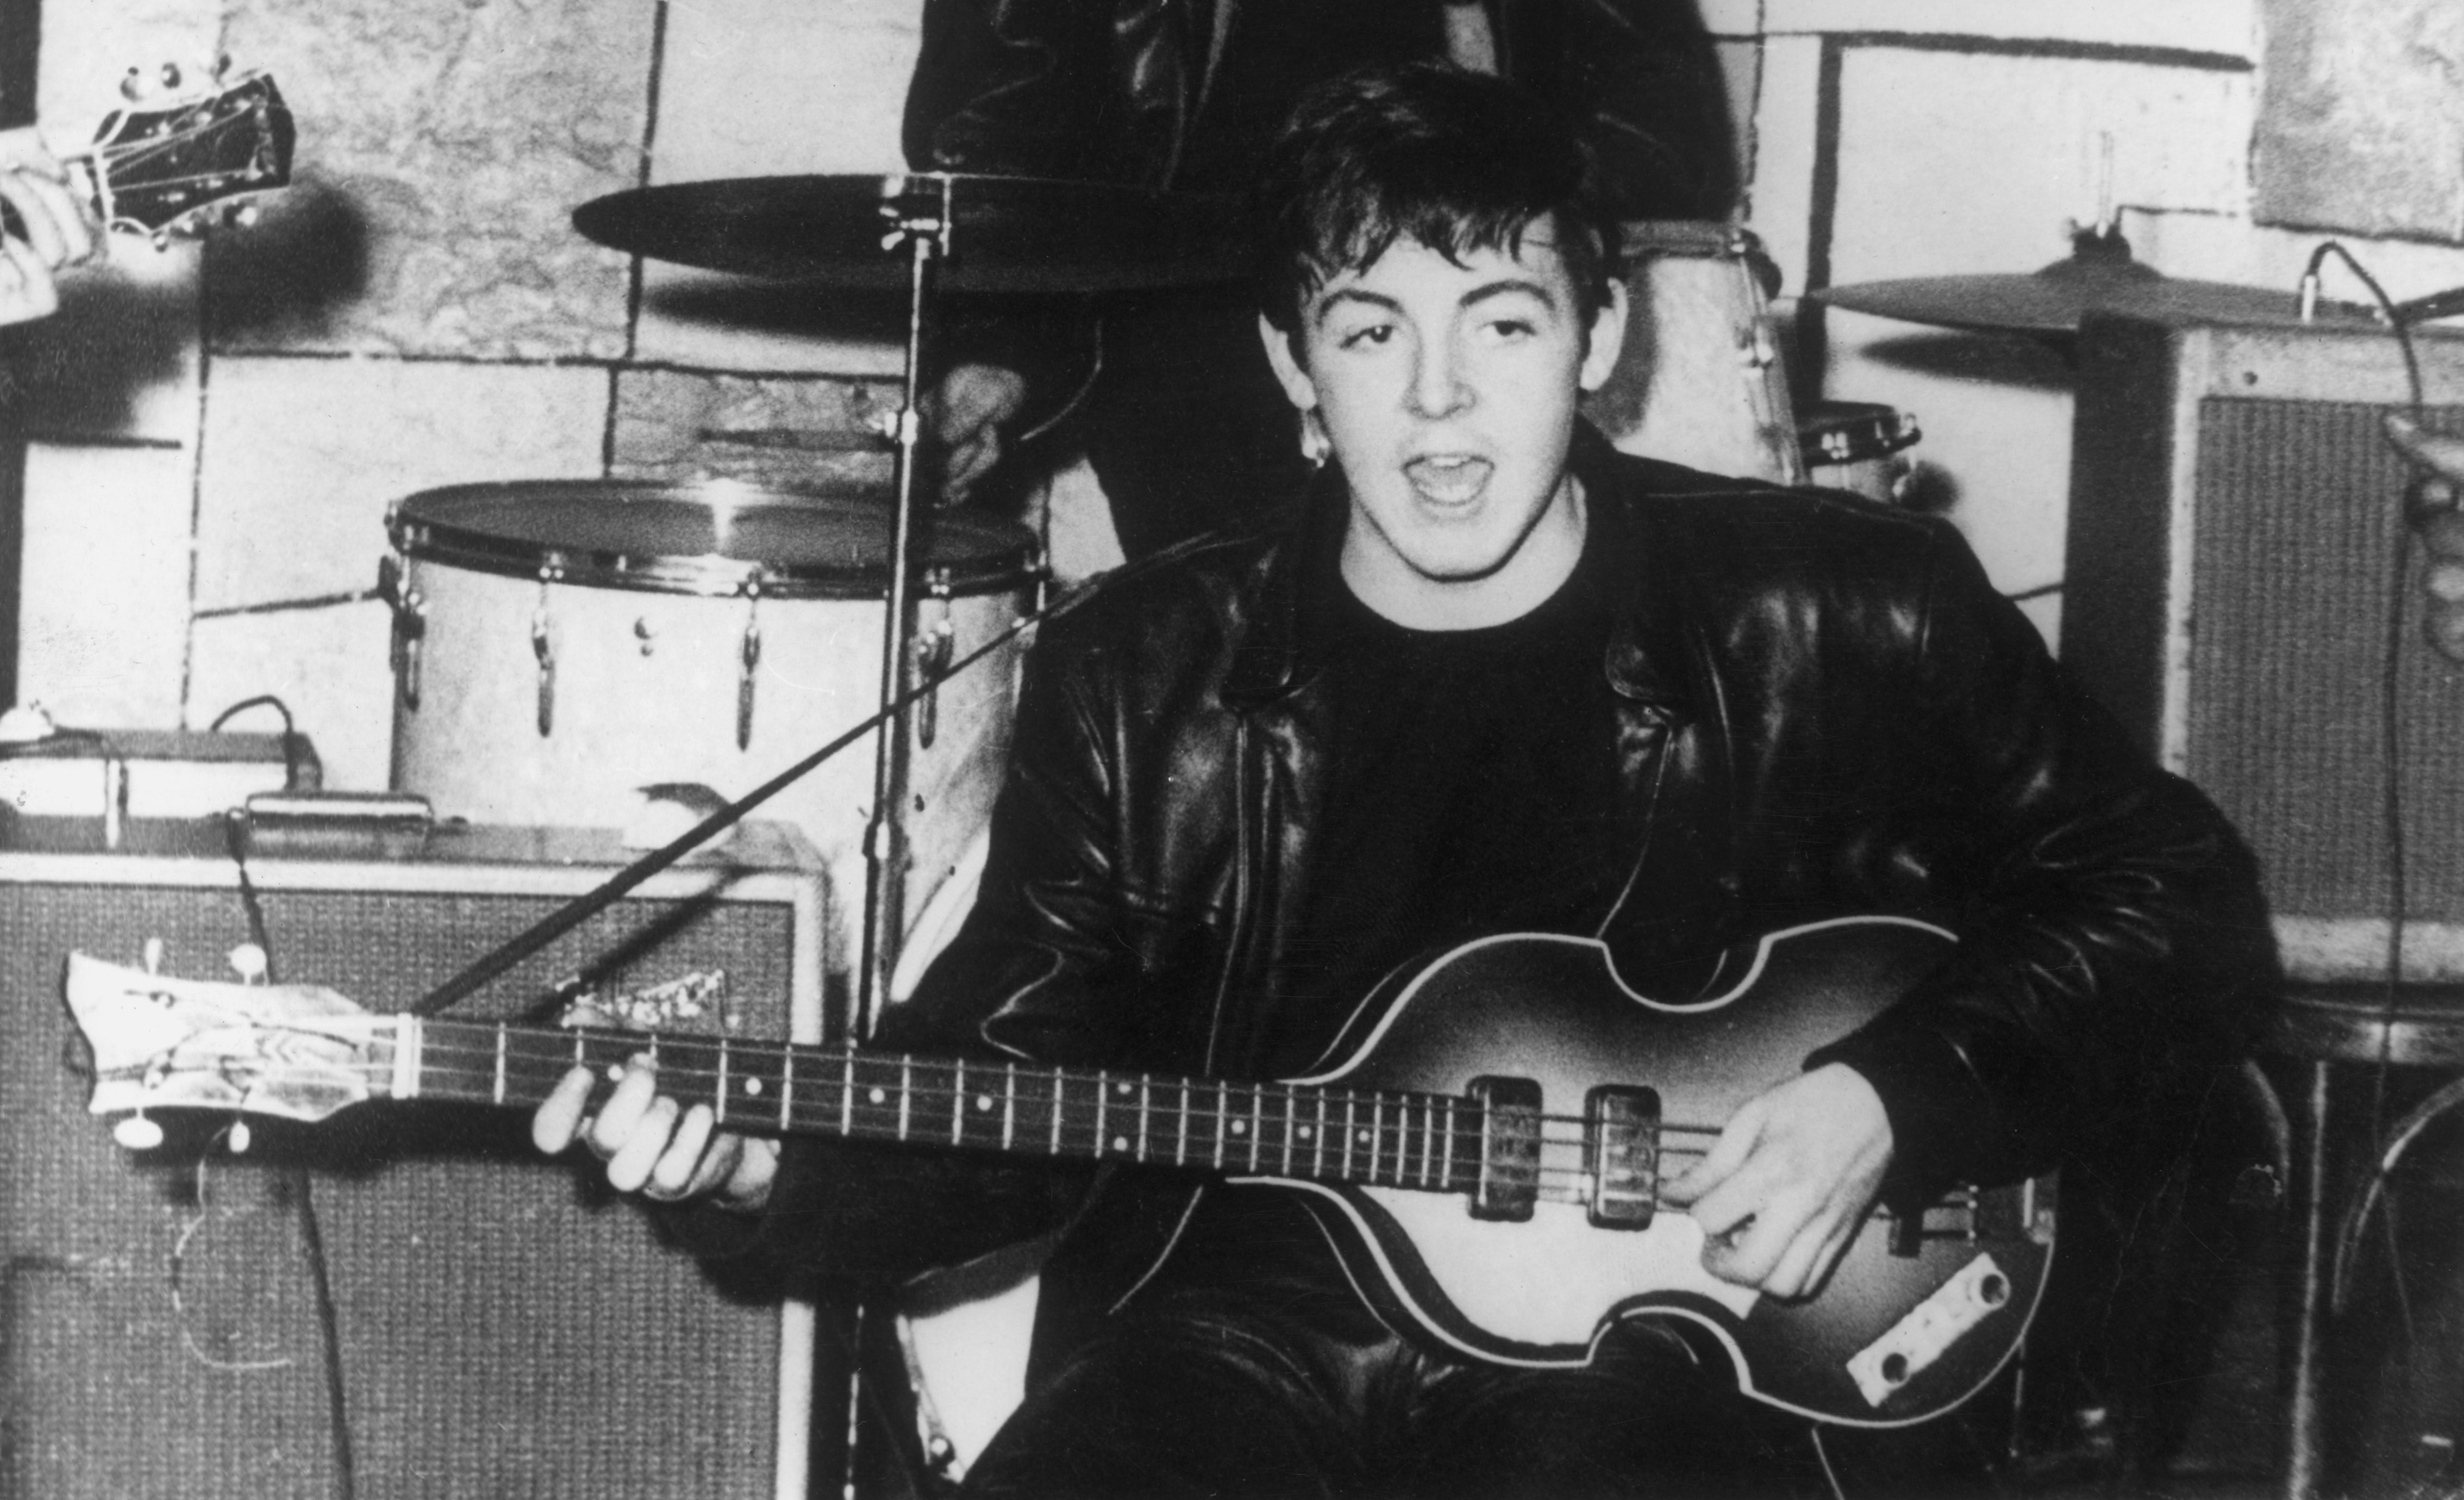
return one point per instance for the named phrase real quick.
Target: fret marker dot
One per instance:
(1362, 1137)
(877, 1097)
(983, 1104)
(1307, 1130)
(615, 1070)
(1240, 1127)
(1120, 1143)
(1121, 1088)
(753, 1086)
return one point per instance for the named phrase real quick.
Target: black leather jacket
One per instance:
(1823, 709)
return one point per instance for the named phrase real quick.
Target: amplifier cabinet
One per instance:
(2235, 525)
(504, 1324)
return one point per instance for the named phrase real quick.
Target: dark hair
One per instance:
(1456, 160)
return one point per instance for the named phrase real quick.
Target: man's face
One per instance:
(1450, 392)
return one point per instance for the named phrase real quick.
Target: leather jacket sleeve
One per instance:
(2114, 946)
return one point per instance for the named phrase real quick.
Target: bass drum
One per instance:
(1700, 381)
(559, 646)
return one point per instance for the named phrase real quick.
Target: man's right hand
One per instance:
(652, 1145)
(967, 413)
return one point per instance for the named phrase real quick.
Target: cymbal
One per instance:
(2100, 276)
(1007, 235)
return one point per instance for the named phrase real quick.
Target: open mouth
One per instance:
(1448, 478)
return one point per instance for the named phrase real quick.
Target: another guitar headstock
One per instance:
(164, 167)
(294, 1051)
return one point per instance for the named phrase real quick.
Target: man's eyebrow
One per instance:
(1508, 287)
(1352, 294)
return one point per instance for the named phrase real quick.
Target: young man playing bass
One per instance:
(1494, 676)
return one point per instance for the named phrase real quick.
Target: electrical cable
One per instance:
(301, 1182)
(2391, 806)
(290, 736)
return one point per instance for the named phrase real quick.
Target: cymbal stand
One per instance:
(920, 221)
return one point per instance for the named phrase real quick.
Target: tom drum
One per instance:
(1855, 445)
(1700, 381)
(560, 645)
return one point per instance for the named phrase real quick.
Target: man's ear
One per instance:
(1608, 339)
(1298, 389)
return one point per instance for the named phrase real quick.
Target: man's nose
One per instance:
(1438, 386)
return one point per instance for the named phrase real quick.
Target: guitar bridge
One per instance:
(1621, 1154)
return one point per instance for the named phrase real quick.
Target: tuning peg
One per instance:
(239, 1138)
(170, 75)
(222, 65)
(248, 960)
(136, 1133)
(246, 214)
(132, 85)
(153, 955)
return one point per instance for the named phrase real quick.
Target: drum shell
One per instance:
(1701, 381)
(646, 691)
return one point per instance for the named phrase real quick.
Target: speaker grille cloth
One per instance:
(505, 1328)
(2298, 527)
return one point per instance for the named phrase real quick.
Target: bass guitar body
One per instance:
(1916, 1316)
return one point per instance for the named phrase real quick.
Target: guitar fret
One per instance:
(1145, 1100)
(719, 1104)
(1223, 1114)
(1350, 1113)
(1317, 1164)
(499, 1092)
(1446, 1164)
(1056, 1111)
(1181, 1140)
(905, 1093)
(846, 1097)
(1376, 1131)
(1009, 1105)
(787, 1087)
(1257, 1121)
(1287, 1131)
(1102, 1087)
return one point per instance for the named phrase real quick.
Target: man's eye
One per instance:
(1372, 336)
(1510, 329)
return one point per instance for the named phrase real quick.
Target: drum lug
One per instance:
(751, 657)
(543, 646)
(936, 639)
(409, 624)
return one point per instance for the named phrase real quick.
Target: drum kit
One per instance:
(559, 646)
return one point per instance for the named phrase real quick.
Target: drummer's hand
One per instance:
(54, 228)
(651, 1145)
(2435, 515)
(967, 414)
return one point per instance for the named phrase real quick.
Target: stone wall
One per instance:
(220, 432)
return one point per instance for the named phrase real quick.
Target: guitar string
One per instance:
(940, 1096)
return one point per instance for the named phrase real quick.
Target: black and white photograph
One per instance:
(1354, 749)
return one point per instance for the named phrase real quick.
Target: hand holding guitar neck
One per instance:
(159, 167)
(47, 227)
(2431, 509)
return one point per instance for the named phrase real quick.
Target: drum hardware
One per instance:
(749, 656)
(1854, 446)
(933, 642)
(409, 622)
(543, 646)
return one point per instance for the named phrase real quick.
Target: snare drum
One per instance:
(1701, 381)
(560, 644)
(1854, 445)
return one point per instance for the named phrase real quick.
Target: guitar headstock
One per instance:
(294, 1052)
(163, 166)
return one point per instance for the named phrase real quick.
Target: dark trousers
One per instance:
(1257, 1395)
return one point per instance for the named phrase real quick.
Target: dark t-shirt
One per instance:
(1467, 771)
